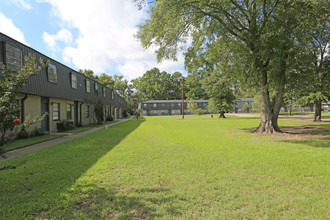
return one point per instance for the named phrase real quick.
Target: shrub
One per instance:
(109, 118)
(22, 134)
(36, 132)
(199, 111)
(98, 110)
(125, 114)
(65, 125)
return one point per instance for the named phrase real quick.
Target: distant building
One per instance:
(174, 107)
(243, 105)
(169, 107)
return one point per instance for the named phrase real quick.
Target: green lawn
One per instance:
(19, 143)
(168, 169)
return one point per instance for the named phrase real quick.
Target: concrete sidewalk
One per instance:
(34, 147)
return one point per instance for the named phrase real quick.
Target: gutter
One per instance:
(80, 118)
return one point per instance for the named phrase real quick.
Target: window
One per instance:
(145, 105)
(155, 112)
(112, 95)
(155, 105)
(56, 111)
(68, 112)
(13, 57)
(88, 86)
(96, 87)
(74, 80)
(173, 111)
(172, 104)
(204, 104)
(163, 104)
(87, 111)
(103, 91)
(179, 104)
(144, 113)
(52, 74)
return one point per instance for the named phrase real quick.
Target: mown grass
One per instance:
(19, 143)
(169, 169)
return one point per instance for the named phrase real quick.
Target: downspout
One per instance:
(22, 107)
(80, 113)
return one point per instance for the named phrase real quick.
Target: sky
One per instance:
(84, 34)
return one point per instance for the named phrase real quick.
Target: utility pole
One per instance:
(182, 100)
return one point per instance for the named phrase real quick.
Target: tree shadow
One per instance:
(97, 201)
(42, 176)
(321, 143)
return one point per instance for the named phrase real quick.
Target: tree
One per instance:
(158, 85)
(219, 105)
(193, 87)
(259, 35)
(107, 80)
(98, 112)
(10, 82)
(191, 106)
(89, 73)
(317, 61)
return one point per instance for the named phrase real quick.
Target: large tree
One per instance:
(260, 33)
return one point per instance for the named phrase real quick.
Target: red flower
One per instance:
(17, 121)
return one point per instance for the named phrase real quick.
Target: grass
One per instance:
(170, 169)
(85, 128)
(16, 144)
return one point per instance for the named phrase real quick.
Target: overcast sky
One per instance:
(83, 34)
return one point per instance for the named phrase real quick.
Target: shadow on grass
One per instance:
(322, 143)
(97, 201)
(38, 181)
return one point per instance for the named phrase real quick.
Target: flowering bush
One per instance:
(17, 121)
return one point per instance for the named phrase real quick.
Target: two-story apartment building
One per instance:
(174, 107)
(169, 107)
(58, 90)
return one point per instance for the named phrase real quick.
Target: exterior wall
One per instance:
(62, 113)
(32, 109)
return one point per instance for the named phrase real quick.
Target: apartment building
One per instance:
(58, 90)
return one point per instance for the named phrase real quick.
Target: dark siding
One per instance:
(39, 84)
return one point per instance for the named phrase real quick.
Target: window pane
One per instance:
(74, 80)
(13, 57)
(52, 75)
(88, 86)
(56, 111)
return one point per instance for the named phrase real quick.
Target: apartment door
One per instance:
(45, 109)
(170, 112)
(148, 113)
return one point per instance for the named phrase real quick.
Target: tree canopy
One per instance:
(259, 37)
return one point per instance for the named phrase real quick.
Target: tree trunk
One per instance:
(318, 109)
(268, 124)
(222, 114)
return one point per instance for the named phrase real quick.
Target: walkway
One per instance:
(35, 147)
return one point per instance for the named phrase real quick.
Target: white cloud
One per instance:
(62, 35)
(105, 36)
(22, 4)
(7, 27)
